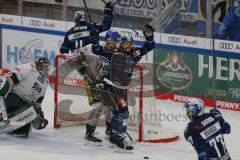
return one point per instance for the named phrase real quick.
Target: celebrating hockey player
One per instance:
(22, 90)
(79, 35)
(205, 131)
(230, 29)
(92, 80)
(76, 38)
(122, 62)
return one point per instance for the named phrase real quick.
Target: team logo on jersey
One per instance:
(173, 74)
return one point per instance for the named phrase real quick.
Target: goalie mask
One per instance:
(126, 43)
(80, 18)
(42, 66)
(111, 41)
(194, 108)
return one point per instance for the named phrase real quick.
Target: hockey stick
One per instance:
(86, 8)
(130, 26)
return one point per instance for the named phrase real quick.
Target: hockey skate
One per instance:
(91, 140)
(120, 144)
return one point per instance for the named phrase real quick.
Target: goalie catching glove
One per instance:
(148, 32)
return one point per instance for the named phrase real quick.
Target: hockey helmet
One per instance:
(42, 66)
(194, 108)
(80, 18)
(111, 40)
(126, 42)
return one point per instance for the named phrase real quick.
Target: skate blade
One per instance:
(120, 150)
(92, 144)
(107, 136)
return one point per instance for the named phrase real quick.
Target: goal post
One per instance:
(152, 132)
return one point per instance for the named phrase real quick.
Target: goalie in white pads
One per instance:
(22, 90)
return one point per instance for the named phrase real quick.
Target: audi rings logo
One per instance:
(174, 39)
(224, 45)
(35, 23)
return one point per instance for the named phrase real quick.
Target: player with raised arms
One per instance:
(121, 65)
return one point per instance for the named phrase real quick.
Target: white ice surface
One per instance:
(68, 143)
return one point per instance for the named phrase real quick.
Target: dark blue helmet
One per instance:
(114, 35)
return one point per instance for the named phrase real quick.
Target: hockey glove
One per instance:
(94, 37)
(108, 8)
(215, 111)
(100, 85)
(40, 122)
(82, 68)
(148, 32)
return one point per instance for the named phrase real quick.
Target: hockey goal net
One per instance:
(71, 104)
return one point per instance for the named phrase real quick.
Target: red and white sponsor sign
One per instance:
(229, 105)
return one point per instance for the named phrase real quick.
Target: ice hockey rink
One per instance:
(68, 143)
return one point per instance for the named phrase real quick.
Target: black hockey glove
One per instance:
(148, 32)
(94, 37)
(82, 68)
(108, 8)
(40, 122)
(215, 111)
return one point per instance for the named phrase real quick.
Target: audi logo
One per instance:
(174, 39)
(224, 45)
(35, 23)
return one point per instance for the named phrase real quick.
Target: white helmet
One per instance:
(79, 17)
(194, 107)
(126, 42)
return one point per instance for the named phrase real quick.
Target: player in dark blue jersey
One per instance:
(79, 35)
(230, 29)
(93, 87)
(205, 131)
(121, 65)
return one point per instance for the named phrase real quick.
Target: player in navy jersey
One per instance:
(79, 35)
(121, 65)
(205, 131)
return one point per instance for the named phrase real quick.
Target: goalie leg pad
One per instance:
(19, 120)
(23, 131)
